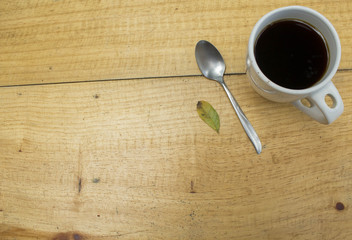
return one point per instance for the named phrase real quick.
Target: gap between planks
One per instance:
(140, 78)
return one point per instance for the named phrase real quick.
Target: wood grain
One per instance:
(53, 41)
(85, 154)
(132, 160)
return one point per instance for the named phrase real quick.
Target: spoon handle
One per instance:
(247, 126)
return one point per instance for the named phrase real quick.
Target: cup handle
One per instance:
(318, 109)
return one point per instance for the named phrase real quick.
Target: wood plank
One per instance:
(65, 41)
(132, 160)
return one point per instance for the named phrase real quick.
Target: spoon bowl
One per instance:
(210, 61)
(212, 66)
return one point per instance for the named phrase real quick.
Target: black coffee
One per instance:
(292, 54)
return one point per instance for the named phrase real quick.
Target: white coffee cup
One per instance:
(318, 109)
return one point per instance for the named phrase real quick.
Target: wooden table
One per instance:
(100, 138)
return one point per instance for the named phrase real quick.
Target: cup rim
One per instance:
(327, 77)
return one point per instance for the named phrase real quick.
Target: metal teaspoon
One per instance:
(212, 65)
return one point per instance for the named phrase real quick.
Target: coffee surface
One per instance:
(292, 54)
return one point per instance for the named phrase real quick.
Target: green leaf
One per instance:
(208, 114)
